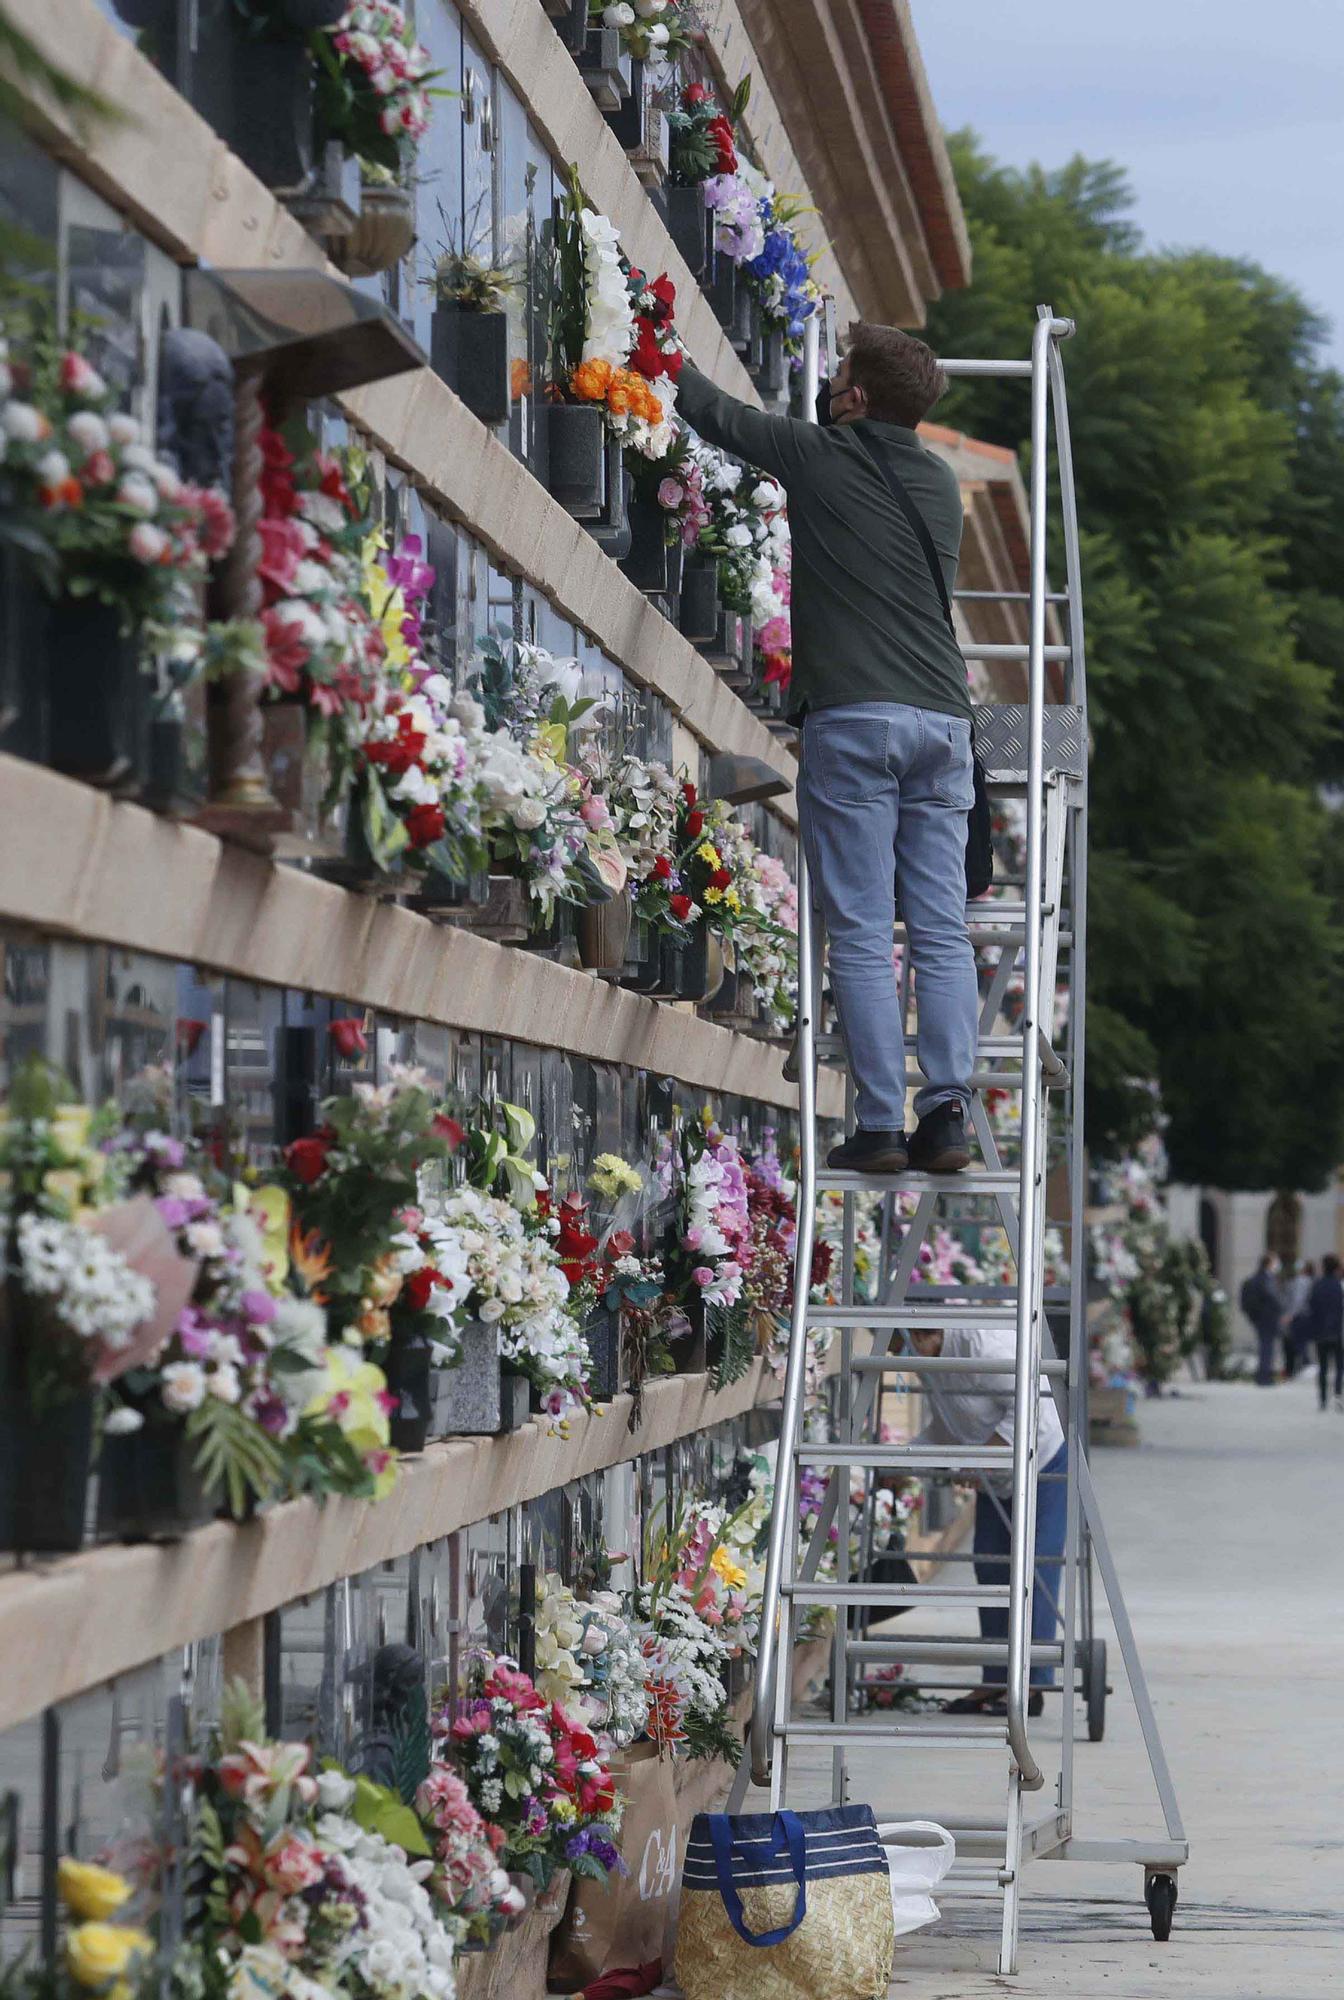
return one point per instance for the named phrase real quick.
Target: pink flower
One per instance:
(80, 378)
(702, 1276)
(282, 550)
(671, 495)
(593, 812)
(692, 1239)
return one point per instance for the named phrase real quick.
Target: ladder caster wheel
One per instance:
(1094, 1688)
(1159, 1892)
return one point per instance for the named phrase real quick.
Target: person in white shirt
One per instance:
(973, 1409)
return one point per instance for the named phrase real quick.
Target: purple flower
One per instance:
(259, 1308)
(195, 1332)
(413, 578)
(175, 1212)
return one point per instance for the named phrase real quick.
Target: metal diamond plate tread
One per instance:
(1001, 740)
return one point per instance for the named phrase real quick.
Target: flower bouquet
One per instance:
(650, 30)
(707, 1252)
(102, 1953)
(535, 1773)
(691, 1619)
(118, 544)
(374, 86)
(298, 1891)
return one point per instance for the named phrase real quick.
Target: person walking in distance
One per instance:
(1296, 1323)
(1262, 1303)
(879, 684)
(1326, 1312)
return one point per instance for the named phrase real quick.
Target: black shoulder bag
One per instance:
(979, 827)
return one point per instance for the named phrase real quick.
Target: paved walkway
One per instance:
(1228, 1530)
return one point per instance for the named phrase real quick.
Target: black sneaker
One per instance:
(939, 1144)
(871, 1153)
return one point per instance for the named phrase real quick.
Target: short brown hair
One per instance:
(900, 376)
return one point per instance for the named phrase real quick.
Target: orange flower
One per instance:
(520, 377)
(310, 1256)
(591, 380)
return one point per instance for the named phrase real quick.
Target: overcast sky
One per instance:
(1228, 115)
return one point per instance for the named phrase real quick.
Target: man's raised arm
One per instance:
(780, 446)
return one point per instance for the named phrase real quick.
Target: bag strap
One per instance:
(788, 1832)
(900, 493)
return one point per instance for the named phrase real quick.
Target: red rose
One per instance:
(688, 792)
(662, 869)
(680, 906)
(695, 824)
(307, 1158)
(722, 878)
(425, 824)
(721, 132)
(444, 1127)
(405, 749)
(695, 94)
(418, 1287)
(665, 292)
(349, 1037)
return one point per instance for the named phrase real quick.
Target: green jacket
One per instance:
(867, 621)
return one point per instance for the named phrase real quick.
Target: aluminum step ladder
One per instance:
(1036, 752)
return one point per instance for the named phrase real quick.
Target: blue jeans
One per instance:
(883, 795)
(992, 1539)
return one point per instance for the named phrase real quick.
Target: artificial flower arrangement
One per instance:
(651, 30)
(374, 87)
(612, 333)
(707, 1251)
(544, 818)
(308, 1883)
(780, 274)
(89, 502)
(102, 1952)
(702, 141)
(747, 532)
(615, 1697)
(324, 646)
(760, 906)
(674, 483)
(245, 1368)
(418, 760)
(692, 1618)
(600, 1256)
(534, 1772)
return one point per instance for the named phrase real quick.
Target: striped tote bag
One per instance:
(785, 1906)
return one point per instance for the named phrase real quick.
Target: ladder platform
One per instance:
(933, 1729)
(908, 1457)
(872, 1596)
(972, 1180)
(944, 1364)
(903, 1313)
(930, 1650)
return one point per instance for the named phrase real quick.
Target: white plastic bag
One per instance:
(915, 1871)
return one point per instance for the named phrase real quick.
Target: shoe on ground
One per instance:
(940, 1144)
(870, 1153)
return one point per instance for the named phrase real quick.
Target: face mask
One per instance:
(824, 400)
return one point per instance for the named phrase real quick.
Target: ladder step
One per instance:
(943, 1364)
(973, 650)
(922, 1729)
(875, 1595)
(903, 1313)
(915, 1457)
(973, 1180)
(931, 1651)
(990, 1045)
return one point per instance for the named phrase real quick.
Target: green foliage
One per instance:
(234, 1456)
(736, 1343)
(1209, 454)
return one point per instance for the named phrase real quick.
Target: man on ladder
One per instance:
(879, 684)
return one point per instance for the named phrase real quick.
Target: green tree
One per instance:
(1209, 454)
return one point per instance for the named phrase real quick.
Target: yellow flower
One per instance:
(734, 901)
(66, 1186)
(709, 854)
(99, 1953)
(268, 1208)
(732, 1573)
(712, 896)
(70, 1126)
(88, 1890)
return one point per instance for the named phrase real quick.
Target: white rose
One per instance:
(53, 467)
(24, 423)
(139, 494)
(123, 430)
(224, 1383)
(528, 814)
(122, 1422)
(334, 1791)
(89, 431)
(183, 1386)
(658, 36)
(594, 1640)
(620, 16)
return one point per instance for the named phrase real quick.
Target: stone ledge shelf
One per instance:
(79, 864)
(142, 1600)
